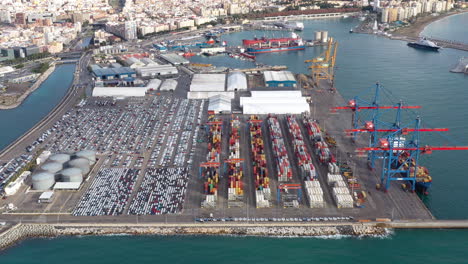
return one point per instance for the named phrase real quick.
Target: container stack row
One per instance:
(210, 171)
(260, 173)
(315, 134)
(314, 193)
(283, 165)
(308, 171)
(341, 192)
(234, 163)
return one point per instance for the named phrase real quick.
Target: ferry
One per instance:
(424, 44)
(266, 45)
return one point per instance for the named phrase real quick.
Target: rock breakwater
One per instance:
(23, 231)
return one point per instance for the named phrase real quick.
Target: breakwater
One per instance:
(20, 232)
(31, 89)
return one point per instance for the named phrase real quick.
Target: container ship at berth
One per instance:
(265, 45)
(423, 178)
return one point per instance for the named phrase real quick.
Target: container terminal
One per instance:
(184, 145)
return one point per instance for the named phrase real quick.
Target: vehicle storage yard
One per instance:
(165, 155)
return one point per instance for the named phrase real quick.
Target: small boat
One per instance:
(351, 31)
(424, 43)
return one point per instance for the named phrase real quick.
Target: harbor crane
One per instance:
(399, 146)
(323, 66)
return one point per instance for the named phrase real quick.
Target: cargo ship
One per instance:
(424, 44)
(423, 179)
(266, 45)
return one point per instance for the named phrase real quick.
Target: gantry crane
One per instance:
(323, 66)
(397, 145)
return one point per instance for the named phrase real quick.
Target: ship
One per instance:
(423, 178)
(291, 25)
(265, 45)
(424, 43)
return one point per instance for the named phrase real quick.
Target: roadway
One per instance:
(80, 81)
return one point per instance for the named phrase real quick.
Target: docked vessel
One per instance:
(292, 25)
(265, 45)
(424, 44)
(423, 178)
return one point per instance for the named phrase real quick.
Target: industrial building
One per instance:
(236, 81)
(112, 73)
(175, 59)
(153, 84)
(204, 86)
(157, 70)
(219, 104)
(279, 79)
(168, 85)
(208, 82)
(119, 91)
(148, 62)
(274, 102)
(134, 63)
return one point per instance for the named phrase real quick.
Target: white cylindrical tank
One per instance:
(43, 181)
(60, 158)
(87, 154)
(52, 167)
(318, 35)
(324, 36)
(71, 175)
(80, 163)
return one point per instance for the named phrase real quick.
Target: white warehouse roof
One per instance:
(237, 80)
(219, 103)
(153, 84)
(279, 76)
(169, 84)
(206, 95)
(274, 102)
(67, 185)
(208, 82)
(175, 59)
(119, 91)
(153, 70)
(282, 94)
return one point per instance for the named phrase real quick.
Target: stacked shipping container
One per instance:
(341, 192)
(315, 134)
(234, 163)
(283, 165)
(300, 149)
(260, 173)
(210, 170)
(313, 189)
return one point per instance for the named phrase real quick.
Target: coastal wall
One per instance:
(31, 89)
(23, 231)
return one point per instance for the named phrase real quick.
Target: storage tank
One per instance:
(80, 163)
(71, 175)
(52, 167)
(42, 181)
(318, 35)
(60, 158)
(87, 154)
(324, 36)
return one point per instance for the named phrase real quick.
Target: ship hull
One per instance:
(423, 187)
(419, 46)
(268, 50)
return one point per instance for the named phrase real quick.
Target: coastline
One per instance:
(414, 29)
(20, 232)
(33, 87)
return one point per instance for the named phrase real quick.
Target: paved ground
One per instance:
(396, 204)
